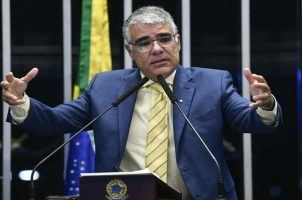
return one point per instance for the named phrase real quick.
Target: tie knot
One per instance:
(156, 87)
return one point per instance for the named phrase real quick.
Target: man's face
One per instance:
(159, 59)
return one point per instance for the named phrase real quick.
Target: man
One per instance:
(125, 138)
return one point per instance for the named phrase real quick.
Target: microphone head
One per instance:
(165, 86)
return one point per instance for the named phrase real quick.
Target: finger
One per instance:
(10, 77)
(20, 101)
(30, 75)
(262, 86)
(4, 84)
(14, 103)
(256, 104)
(262, 97)
(9, 96)
(259, 78)
(248, 75)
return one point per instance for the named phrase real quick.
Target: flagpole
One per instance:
(67, 64)
(6, 129)
(186, 32)
(127, 12)
(247, 138)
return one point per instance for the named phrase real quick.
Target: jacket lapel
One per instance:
(184, 91)
(125, 109)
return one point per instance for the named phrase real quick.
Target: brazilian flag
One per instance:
(95, 57)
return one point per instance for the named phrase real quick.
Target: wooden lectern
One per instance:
(140, 185)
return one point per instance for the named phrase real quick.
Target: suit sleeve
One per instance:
(67, 117)
(237, 113)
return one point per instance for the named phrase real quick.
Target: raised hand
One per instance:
(13, 88)
(260, 91)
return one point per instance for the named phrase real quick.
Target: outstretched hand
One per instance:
(13, 88)
(260, 91)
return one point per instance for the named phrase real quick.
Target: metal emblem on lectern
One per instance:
(116, 190)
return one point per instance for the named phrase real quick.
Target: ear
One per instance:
(177, 39)
(127, 47)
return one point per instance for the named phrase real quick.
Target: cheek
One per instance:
(174, 51)
(140, 59)
(175, 55)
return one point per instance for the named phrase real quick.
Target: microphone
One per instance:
(115, 103)
(129, 92)
(220, 189)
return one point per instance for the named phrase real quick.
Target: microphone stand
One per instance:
(32, 194)
(220, 188)
(115, 103)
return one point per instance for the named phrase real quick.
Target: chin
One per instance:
(166, 72)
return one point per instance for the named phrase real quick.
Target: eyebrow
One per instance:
(164, 34)
(148, 37)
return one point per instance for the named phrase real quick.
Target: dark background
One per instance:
(36, 28)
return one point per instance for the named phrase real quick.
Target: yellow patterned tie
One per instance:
(157, 136)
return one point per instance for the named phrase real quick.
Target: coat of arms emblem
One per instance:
(116, 190)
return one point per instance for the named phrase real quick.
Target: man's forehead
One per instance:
(150, 24)
(149, 30)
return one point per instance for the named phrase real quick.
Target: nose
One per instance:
(156, 48)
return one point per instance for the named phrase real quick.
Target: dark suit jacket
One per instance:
(208, 98)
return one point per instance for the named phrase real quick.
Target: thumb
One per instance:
(248, 75)
(30, 75)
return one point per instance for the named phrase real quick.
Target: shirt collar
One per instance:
(169, 79)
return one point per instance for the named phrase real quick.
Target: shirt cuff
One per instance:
(269, 118)
(20, 112)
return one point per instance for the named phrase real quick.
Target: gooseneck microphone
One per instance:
(163, 83)
(115, 103)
